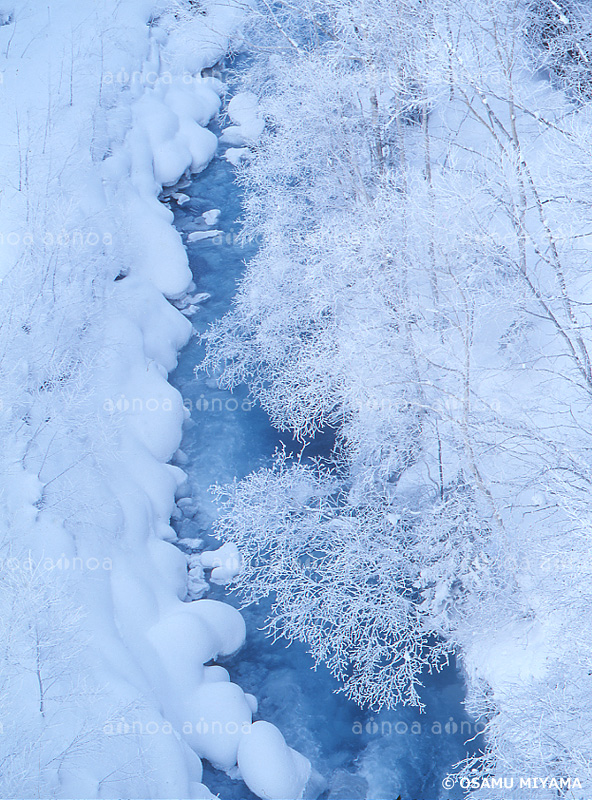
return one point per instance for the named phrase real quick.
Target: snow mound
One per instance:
(271, 769)
(225, 563)
(129, 643)
(234, 155)
(222, 718)
(248, 126)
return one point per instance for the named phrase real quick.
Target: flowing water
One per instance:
(360, 754)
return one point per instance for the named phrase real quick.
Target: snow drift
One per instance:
(104, 687)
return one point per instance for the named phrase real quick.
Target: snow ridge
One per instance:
(103, 682)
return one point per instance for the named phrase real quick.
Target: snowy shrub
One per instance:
(562, 31)
(428, 299)
(339, 577)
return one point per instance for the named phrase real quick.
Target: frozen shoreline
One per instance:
(120, 707)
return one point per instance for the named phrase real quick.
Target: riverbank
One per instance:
(103, 674)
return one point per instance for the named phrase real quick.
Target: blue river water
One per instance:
(360, 754)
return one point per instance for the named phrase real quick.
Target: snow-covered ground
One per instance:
(110, 677)
(105, 679)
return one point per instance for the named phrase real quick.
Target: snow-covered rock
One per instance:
(198, 236)
(211, 217)
(270, 768)
(234, 155)
(248, 125)
(225, 563)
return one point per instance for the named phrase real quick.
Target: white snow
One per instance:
(264, 747)
(234, 155)
(211, 217)
(225, 563)
(180, 198)
(99, 115)
(222, 718)
(248, 125)
(198, 236)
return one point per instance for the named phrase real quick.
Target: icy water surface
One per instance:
(360, 754)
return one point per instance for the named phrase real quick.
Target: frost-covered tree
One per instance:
(561, 32)
(428, 299)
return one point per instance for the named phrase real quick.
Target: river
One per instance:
(360, 754)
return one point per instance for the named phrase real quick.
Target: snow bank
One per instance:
(104, 104)
(264, 747)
